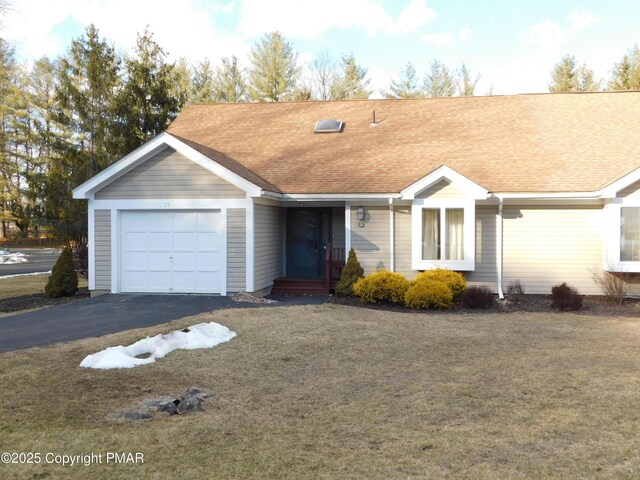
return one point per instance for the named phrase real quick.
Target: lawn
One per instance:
(339, 392)
(27, 285)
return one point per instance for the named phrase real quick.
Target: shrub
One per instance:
(428, 294)
(566, 297)
(382, 286)
(63, 281)
(351, 273)
(478, 297)
(515, 290)
(454, 280)
(613, 286)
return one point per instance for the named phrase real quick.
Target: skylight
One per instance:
(328, 126)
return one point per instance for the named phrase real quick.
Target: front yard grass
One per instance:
(339, 392)
(28, 285)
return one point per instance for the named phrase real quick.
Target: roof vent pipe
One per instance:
(374, 123)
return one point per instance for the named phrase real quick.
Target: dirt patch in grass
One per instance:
(336, 392)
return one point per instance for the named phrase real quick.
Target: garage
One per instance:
(172, 251)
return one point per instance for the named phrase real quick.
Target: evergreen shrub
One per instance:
(454, 280)
(478, 297)
(63, 281)
(382, 286)
(565, 297)
(428, 293)
(351, 273)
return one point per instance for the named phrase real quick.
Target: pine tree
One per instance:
(467, 84)
(351, 84)
(626, 73)
(88, 79)
(146, 104)
(229, 85)
(351, 272)
(568, 76)
(63, 281)
(181, 86)
(202, 84)
(440, 82)
(274, 69)
(407, 85)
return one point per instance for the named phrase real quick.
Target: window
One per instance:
(443, 235)
(453, 233)
(630, 234)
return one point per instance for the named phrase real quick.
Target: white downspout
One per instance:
(499, 246)
(392, 263)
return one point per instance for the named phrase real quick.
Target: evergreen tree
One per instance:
(626, 73)
(274, 68)
(229, 85)
(88, 79)
(407, 85)
(202, 83)
(63, 281)
(146, 104)
(440, 82)
(181, 86)
(568, 76)
(467, 83)
(351, 84)
(351, 273)
(8, 68)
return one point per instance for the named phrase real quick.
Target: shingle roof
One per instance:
(523, 143)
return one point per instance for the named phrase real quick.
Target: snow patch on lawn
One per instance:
(7, 258)
(202, 335)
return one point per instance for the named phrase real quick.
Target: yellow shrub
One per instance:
(454, 280)
(428, 294)
(382, 286)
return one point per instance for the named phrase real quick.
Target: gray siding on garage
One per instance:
(169, 174)
(268, 228)
(102, 249)
(236, 250)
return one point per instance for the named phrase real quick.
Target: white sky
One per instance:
(513, 45)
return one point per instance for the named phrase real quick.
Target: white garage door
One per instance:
(172, 251)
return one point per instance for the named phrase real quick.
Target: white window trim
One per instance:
(468, 205)
(611, 235)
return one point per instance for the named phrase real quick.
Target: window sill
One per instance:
(458, 266)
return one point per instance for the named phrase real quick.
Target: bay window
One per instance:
(629, 234)
(443, 235)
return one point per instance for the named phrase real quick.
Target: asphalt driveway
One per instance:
(93, 317)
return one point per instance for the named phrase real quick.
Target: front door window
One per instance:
(308, 232)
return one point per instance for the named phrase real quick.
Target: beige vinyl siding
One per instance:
(102, 249)
(402, 241)
(371, 242)
(268, 227)
(632, 191)
(547, 246)
(486, 265)
(236, 250)
(169, 174)
(338, 227)
(442, 190)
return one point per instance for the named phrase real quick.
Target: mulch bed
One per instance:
(38, 300)
(591, 305)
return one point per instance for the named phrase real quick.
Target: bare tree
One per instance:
(324, 74)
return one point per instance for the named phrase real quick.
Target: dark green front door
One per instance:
(308, 233)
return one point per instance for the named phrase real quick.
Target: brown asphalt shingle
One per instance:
(523, 143)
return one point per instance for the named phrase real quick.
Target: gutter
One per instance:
(499, 246)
